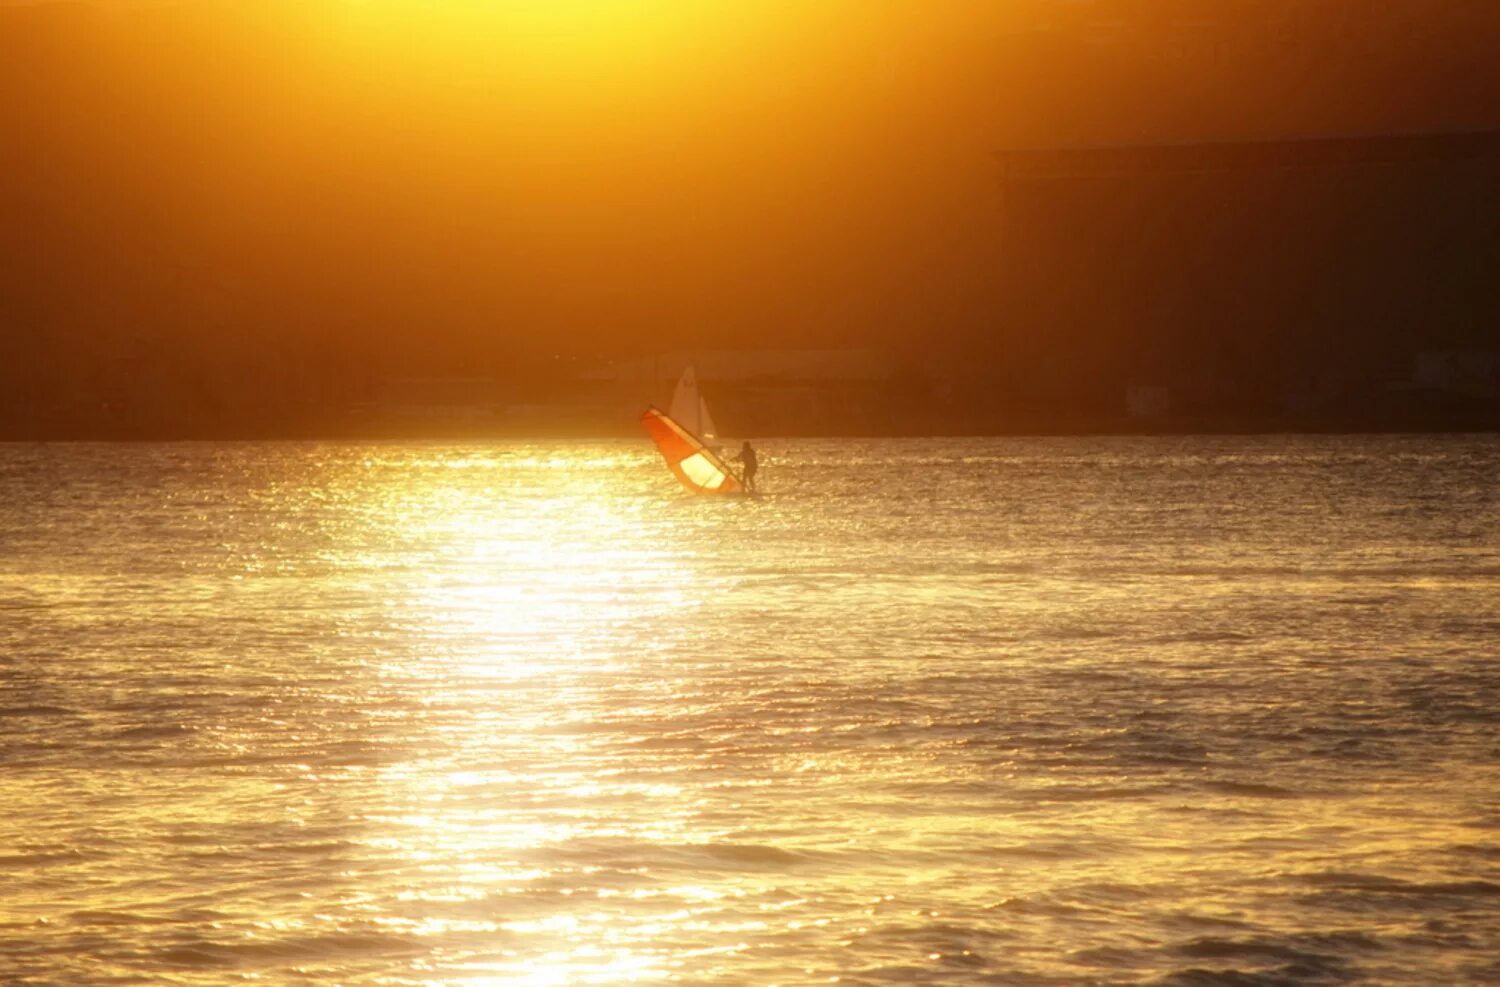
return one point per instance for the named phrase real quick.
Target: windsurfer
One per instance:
(748, 458)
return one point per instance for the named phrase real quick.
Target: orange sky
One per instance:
(464, 177)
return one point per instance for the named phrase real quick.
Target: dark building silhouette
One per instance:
(1262, 282)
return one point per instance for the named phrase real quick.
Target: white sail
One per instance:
(688, 408)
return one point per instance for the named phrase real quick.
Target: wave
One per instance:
(1318, 957)
(1035, 906)
(154, 731)
(748, 853)
(45, 857)
(1257, 949)
(1250, 789)
(627, 856)
(1292, 976)
(205, 953)
(1101, 793)
(37, 710)
(1201, 637)
(109, 917)
(1375, 884)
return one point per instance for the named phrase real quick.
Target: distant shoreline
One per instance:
(147, 438)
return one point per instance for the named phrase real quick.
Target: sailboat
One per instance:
(681, 438)
(689, 410)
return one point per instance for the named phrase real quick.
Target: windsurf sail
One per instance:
(689, 410)
(692, 462)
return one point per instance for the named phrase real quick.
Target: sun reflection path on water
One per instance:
(539, 624)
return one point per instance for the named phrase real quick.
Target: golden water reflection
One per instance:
(429, 715)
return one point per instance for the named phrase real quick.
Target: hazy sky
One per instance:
(462, 177)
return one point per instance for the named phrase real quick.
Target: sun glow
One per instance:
(556, 43)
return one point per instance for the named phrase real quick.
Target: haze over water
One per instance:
(1189, 711)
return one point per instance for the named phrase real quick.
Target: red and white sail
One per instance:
(692, 462)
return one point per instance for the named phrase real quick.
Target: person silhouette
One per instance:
(751, 462)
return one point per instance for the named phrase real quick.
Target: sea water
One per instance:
(1185, 711)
